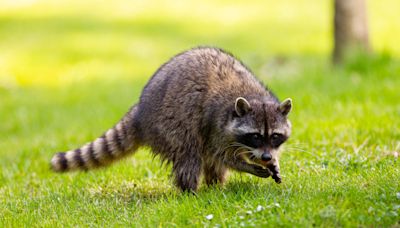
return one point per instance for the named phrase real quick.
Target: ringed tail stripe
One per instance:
(62, 161)
(86, 156)
(117, 139)
(113, 145)
(123, 129)
(92, 155)
(105, 148)
(110, 140)
(78, 158)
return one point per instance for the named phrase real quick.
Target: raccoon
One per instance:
(204, 112)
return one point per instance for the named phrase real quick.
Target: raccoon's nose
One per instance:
(266, 157)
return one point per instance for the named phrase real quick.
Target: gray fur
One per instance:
(192, 113)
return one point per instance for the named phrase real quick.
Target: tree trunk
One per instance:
(350, 26)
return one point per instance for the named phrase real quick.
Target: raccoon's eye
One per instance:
(256, 136)
(254, 140)
(277, 139)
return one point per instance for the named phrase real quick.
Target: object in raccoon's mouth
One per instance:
(267, 165)
(275, 173)
(272, 167)
(277, 178)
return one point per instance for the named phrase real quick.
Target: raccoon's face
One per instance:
(259, 127)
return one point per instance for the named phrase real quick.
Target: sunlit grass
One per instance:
(70, 69)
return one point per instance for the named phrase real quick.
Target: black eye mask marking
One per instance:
(253, 140)
(277, 139)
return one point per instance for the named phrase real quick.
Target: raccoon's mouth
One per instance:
(252, 159)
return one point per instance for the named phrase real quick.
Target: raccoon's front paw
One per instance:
(261, 172)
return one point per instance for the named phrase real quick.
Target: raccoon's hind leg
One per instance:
(187, 173)
(214, 174)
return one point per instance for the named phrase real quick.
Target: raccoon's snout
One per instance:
(266, 156)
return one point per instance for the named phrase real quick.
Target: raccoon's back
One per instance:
(192, 76)
(180, 91)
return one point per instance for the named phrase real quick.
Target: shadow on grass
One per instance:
(156, 191)
(132, 191)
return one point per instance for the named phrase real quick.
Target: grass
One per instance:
(68, 72)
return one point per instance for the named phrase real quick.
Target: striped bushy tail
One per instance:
(113, 145)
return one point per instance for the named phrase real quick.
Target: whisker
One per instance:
(297, 143)
(295, 149)
(294, 146)
(302, 151)
(229, 146)
(244, 152)
(236, 151)
(242, 145)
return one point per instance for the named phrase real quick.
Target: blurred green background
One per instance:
(70, 69)
(55, 43)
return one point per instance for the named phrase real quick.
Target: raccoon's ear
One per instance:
(285, 106)
(242, 106)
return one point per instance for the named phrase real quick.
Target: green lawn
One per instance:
(70, 71)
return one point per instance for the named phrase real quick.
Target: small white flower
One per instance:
(259, 208)
(210, 216)
(398, 195)
(249, 212)
(241, 217)
(277, 205)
